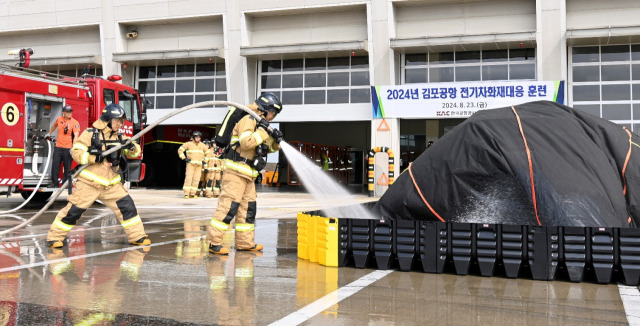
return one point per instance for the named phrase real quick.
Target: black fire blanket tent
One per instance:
(585, 171)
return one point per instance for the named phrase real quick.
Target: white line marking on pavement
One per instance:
(324, 303)
(630, 296)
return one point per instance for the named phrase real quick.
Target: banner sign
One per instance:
(460, 99)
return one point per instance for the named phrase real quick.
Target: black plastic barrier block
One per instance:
(345, 257)
(603, 253)
(511, 248)
(406, 243)
(434, 246)
(574, 251)
(629, 255)
(462, 246)
(383, 244)
(486, 248)
(361, 242)
(537, 252)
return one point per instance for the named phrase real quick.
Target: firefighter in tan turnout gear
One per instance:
(101, 179)
(214, 171)
(192, 152)
(250, 142)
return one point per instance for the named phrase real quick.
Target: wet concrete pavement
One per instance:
(98, 279)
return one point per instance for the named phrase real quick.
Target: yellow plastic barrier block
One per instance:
(327, 241)
(303, 235)
(312, 240)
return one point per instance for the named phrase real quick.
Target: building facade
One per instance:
(322, 56)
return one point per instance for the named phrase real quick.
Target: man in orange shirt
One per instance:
(68, 129)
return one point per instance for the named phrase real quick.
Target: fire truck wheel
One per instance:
(38, 197)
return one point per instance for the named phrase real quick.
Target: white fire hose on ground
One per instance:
(111, 150)
(44, 173)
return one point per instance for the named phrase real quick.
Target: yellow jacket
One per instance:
(99, 174)
(247, 139)
(214, 163)
(194, 151)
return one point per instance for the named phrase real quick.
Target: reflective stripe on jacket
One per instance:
(193, 151)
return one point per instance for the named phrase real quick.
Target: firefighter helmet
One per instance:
(67, 108)
(269, 102)
(196, 133)
(112, 111)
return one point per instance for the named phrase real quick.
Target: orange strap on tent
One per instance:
(526, 146)
(626, 161)
(421, 196)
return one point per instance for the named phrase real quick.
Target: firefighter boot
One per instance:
(218, 250)
(256, 247)
(55, 244)
(144, 241)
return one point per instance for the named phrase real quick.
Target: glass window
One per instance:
(586, 73)
(147, 86)
(441, 74)
(635, 90)
(205, 70)
(221, 97)
(292, 81)
(127, 104)
(443, 57)
(183, 100)
(635, 52)
(615, 53)
(616, 111)
(271, 66)
(615, 72)
(635, 71)
(184, 86)
(495, 56)
(415, 59)
(315, 80)
(166, 71)
(523, 71)
(185, 70)
(360, 62)
(495, 72)
(204, 98)
(314, 97)
(585, 54)
(293, 65)
(464, 73)
(528, 54)
(337, 96)
(292, 97)
(109, 96)
(339, 79)
(636, 113)
(147, 72)
(221, 85)
(204, 85)
(271, 81)
(586, 93)
(616, 92)
(316, 64)
(359, 78)
(220, 69)
(361, 95)
(339, 63)
(415, 76)
(164, 102)
(591, 109)
(165, 86)
(467, 57)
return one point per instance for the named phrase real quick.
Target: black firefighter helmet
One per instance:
(195, 134)
(113, 111)
(269, 102)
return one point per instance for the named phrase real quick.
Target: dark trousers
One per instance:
(61, 155)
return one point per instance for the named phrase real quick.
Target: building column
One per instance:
(380, 59)
(551, 40)
(109, 33)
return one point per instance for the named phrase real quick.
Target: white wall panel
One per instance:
(193, 35)
(346, 25)
(56, 44)
(584, 14)
(469, 18)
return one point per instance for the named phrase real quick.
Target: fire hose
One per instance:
(46, 167)
(128, 142)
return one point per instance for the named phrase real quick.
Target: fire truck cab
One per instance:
(30, 102)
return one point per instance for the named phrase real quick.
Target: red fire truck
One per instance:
(31, 100)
